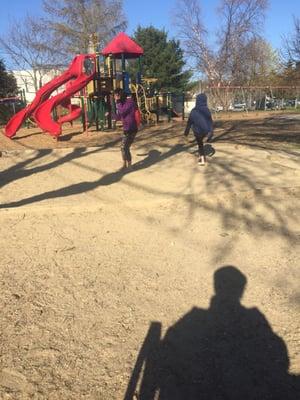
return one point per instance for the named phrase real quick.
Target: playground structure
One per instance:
(91, 79)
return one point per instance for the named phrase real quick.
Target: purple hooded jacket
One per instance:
(126, 113)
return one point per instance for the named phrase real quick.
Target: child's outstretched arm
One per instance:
(211, 126)
(211, 122)
(188, 126)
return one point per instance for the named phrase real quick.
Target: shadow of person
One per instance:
(228, 352)
(209, 150)
(155, 156)
(152, 157)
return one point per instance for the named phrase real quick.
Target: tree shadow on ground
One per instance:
(23, 170)
(68, 136)
(17, 138)
(227, 352)
(270, 134)
(245, 199)
(153, 157)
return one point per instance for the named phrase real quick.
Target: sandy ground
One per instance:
(107, 279)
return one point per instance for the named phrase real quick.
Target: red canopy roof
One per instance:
(122, 44)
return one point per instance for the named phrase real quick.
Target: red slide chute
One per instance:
(79, 73)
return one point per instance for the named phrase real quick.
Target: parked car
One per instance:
(237, 107)
(218, 108)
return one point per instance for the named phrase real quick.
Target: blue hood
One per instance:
(201, 101)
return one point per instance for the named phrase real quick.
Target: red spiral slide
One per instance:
(80, 72)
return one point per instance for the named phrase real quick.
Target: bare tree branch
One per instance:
(292, 43)
(240, 22)
(72, 22)
(193, 34)
(26, 45)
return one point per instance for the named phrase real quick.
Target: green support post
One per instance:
(90, 111)
(123, 69)
(83, 113)
(109, 109)
(54, 113)
(113, 111)
(96, 108)
(100, 114)
(105, 67)
(112, 67)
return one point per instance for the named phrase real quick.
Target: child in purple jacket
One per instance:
(126, 108)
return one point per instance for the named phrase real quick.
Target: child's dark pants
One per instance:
(199, 138)
(127, 140)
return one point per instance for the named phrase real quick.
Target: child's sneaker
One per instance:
(201, 161)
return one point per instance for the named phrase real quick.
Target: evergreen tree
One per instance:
(8, 88)
(8, 83)
(163, 59)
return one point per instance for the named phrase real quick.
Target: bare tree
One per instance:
(240, 23)
(26, 44)
(292, 43)
(260, 64)
(193, 34)
(73, 22)
(39, 45)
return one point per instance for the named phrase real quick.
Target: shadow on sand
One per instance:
(225, 352)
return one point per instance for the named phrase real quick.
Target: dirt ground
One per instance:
(112, 283)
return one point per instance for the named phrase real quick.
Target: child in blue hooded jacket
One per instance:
(200, 121)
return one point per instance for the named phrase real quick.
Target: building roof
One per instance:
(123, 44)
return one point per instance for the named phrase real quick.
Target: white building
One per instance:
(25, 81)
